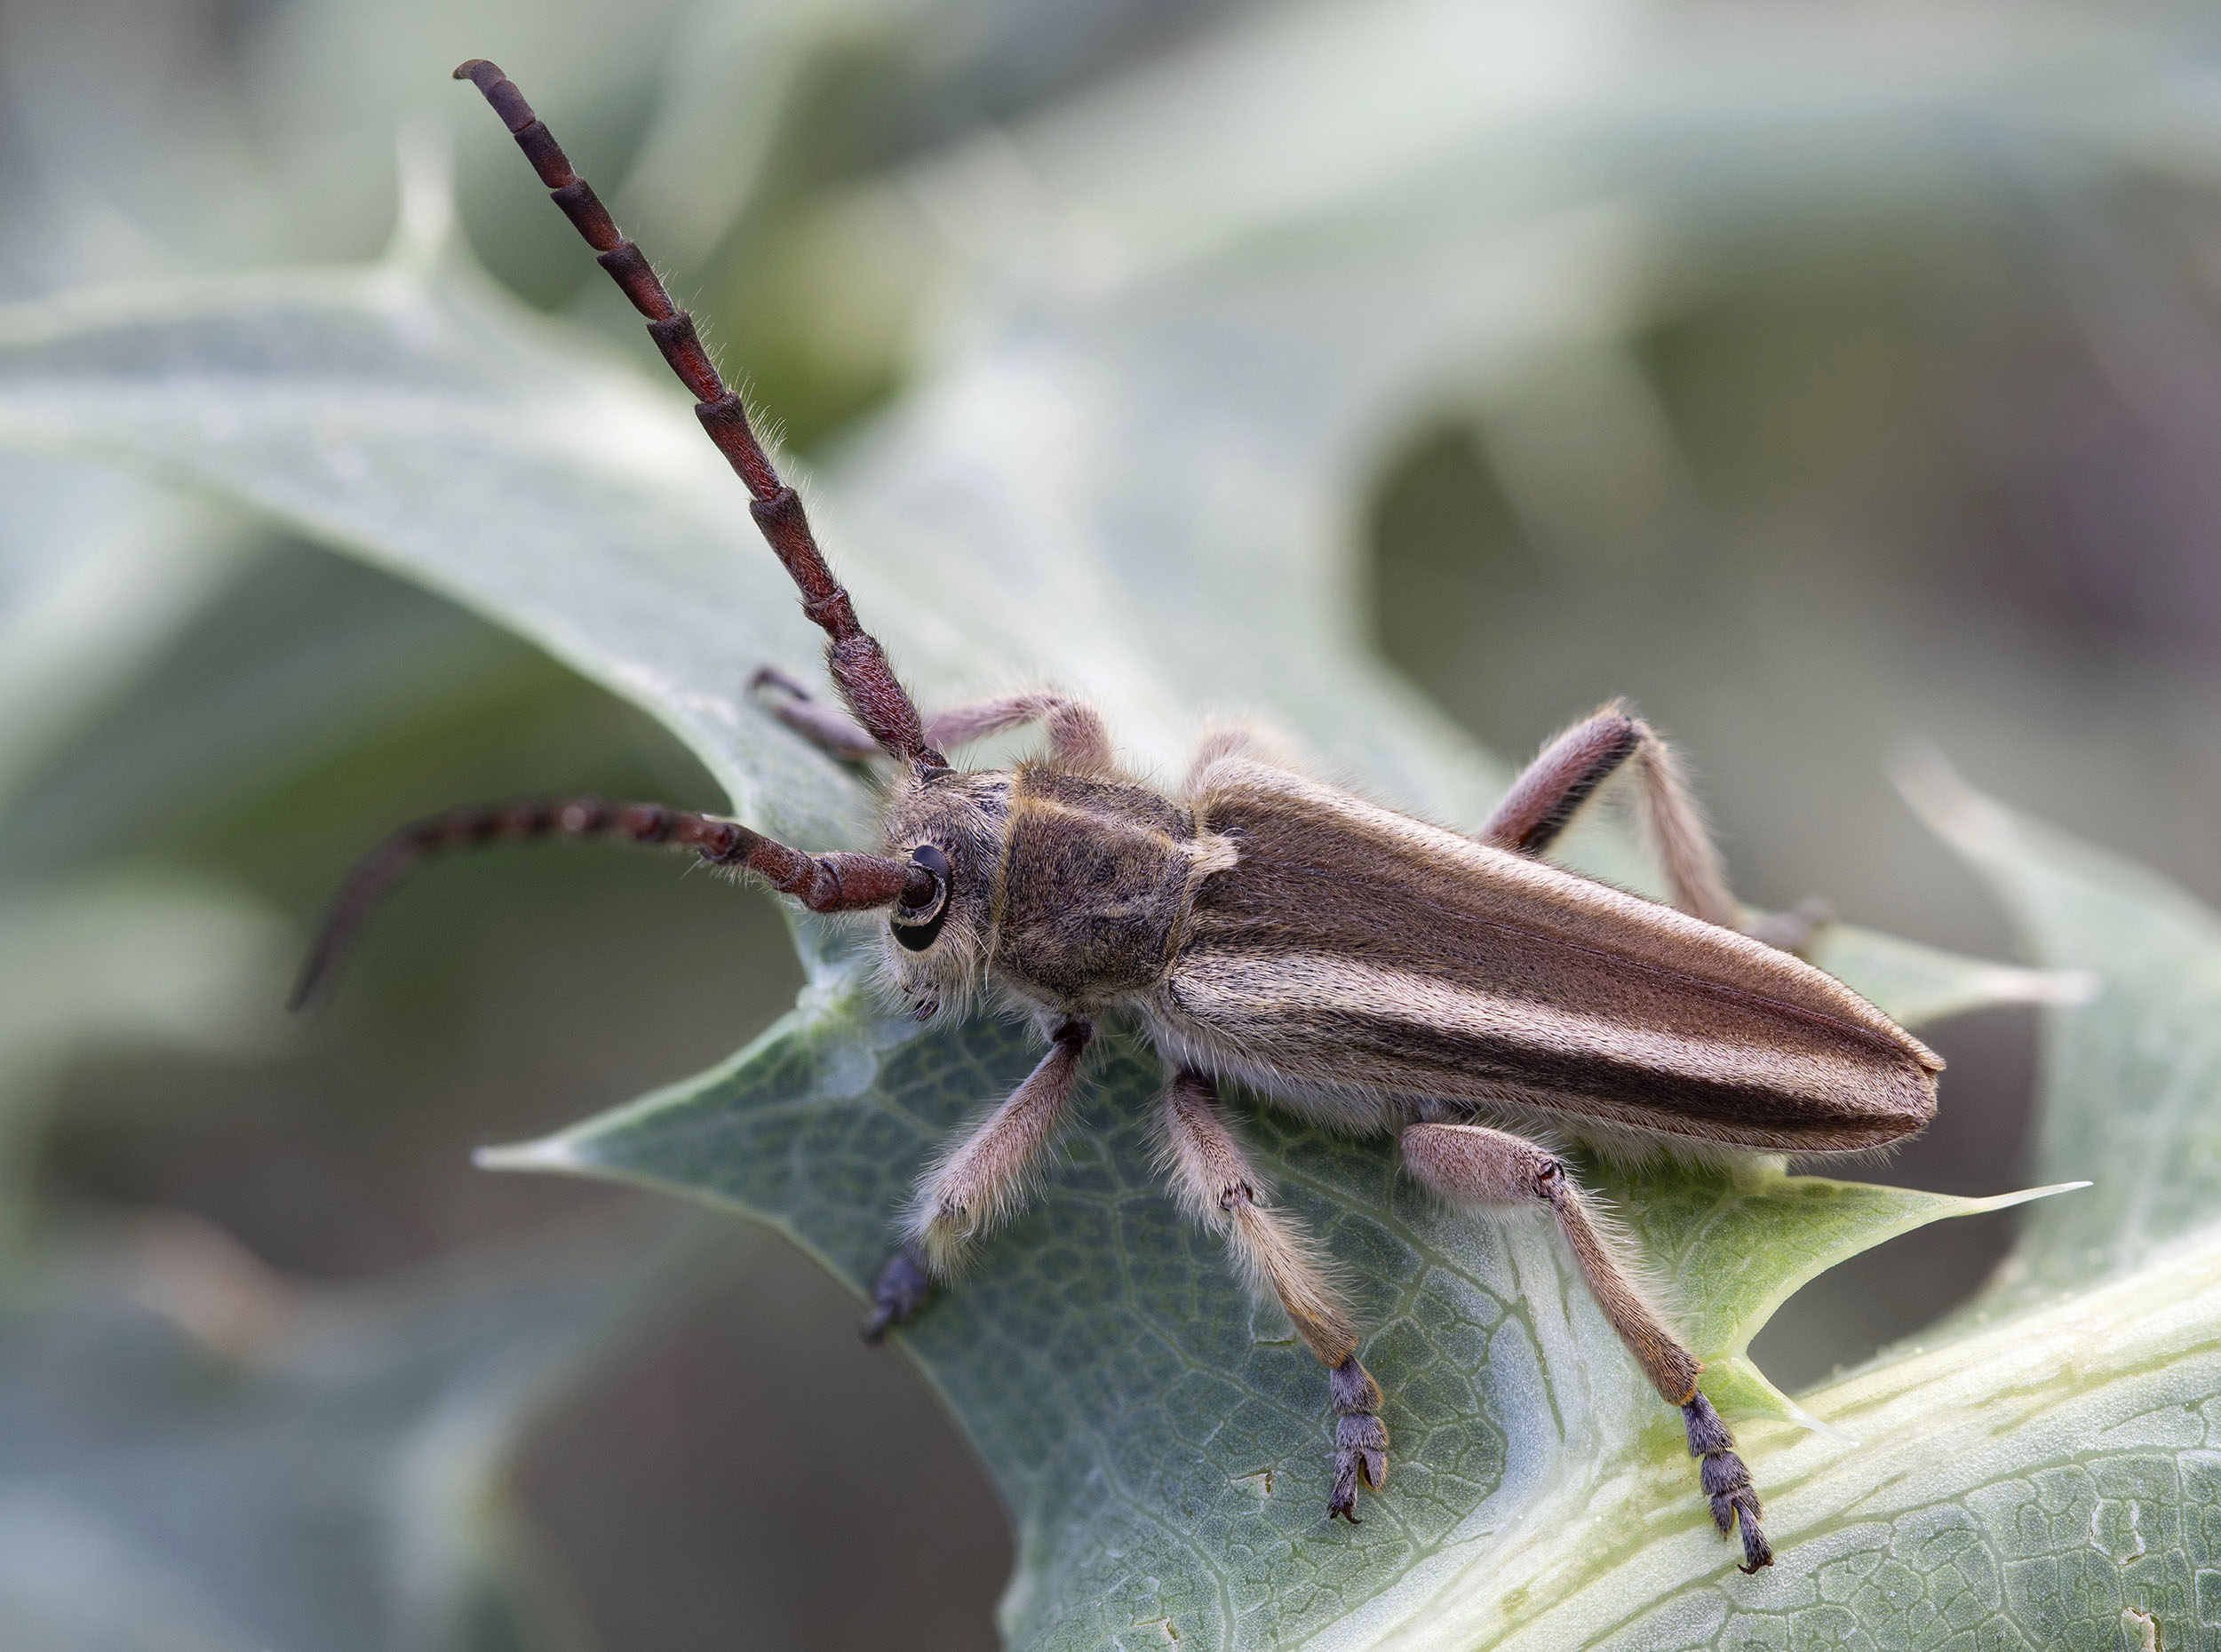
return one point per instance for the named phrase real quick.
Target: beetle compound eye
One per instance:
(917, 923)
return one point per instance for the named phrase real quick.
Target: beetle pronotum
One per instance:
(1375, 971)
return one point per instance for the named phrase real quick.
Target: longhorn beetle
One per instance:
(1369, 970)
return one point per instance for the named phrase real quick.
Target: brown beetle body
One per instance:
(1375, 969)
(1379, 974)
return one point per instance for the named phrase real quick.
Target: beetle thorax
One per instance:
(1068, 890)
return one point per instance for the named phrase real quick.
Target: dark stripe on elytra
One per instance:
(1416, 1058)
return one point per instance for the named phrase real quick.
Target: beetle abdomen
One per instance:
(1352, 949)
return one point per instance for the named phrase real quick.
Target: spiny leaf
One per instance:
(296, 395)
(2047, 1481)
(1151, 500)
(1159, 1435)
(1736, 1246)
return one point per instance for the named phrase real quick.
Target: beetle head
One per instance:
(952, 825)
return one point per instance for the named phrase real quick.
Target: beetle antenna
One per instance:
(858, 664)
(824, 883)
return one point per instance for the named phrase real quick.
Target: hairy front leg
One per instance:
(1215, 1181)
(1079, 737)
(1472, 1164)
(978, 1184)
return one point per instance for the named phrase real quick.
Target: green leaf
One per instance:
(2047, 1482)
(1153, 498)
(428, 424)
(96, 572)
(1159, 1435)
(1738, 1246)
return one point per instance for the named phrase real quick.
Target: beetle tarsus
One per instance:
(1726, 1482)
(905, 1286)
(1361, 1437)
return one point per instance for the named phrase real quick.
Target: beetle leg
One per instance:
(1472, 1164)
(983, 1179)
(977, 1184)
(1233, 739)
(1212, 1177)
(1079, 737)
(1550, 791)
(904, 1287)
(1795, 930)
(821, 723)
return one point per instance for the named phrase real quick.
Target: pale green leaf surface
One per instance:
(1203, 559)
(582, 508)
(332, 400)
(1155, 504)
(2051, 1480)
(1737, 1246)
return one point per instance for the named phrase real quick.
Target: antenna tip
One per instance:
(507, 101)
(306, 989)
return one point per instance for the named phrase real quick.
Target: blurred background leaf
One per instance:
(193, 1453)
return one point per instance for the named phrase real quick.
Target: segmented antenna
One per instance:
(858, 664)
(824, 883)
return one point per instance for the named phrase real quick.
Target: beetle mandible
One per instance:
(1374, 972)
